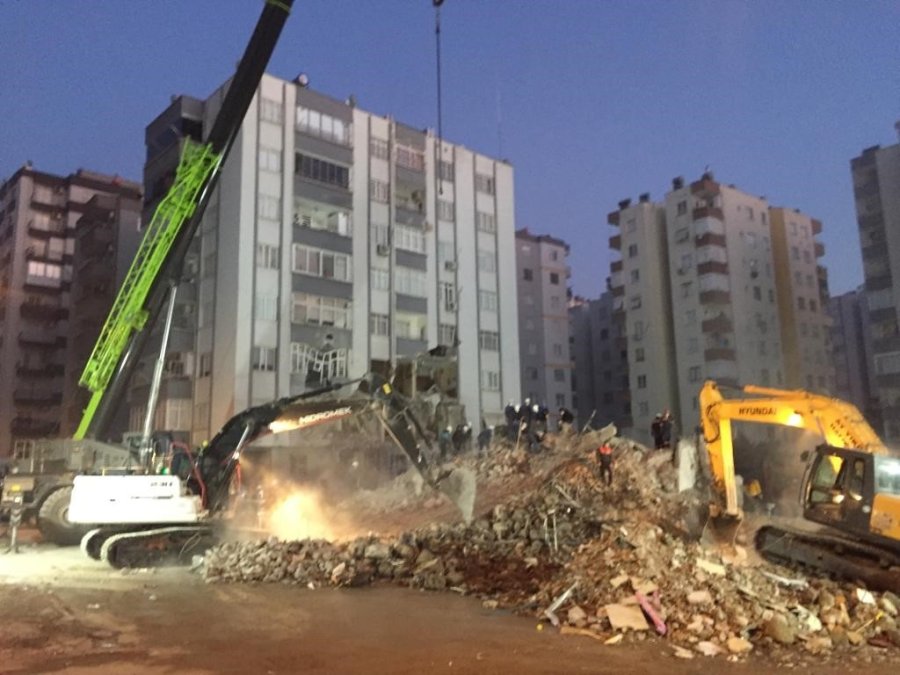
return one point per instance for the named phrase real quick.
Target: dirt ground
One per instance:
(63, 613)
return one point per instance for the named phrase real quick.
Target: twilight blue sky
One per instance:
(597, 101)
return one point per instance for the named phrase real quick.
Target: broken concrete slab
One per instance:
(626, 617)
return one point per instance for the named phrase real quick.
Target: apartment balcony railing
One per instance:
(717, 324)
(615, 242)
(29, 426)
(37, 397)
(719, 354)
(715, 297)
(710, 239)
(49, 370)
(708, 212)
(712, 267)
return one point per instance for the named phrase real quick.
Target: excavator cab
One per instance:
(855, 492)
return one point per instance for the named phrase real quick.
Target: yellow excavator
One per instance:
(851, 482)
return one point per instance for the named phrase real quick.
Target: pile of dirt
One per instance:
(612, 562)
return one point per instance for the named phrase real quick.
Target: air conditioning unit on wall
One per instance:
(383, 249)
(450, 265)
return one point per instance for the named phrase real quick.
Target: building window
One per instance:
(635, 302)
(269, 207)
(490, 380)
(486, 222)
(681, 209)
(486, 262)
(554, 302)
(266, 307)
(561, 400)
(757, 293)
(448, 296)
(527, 274)
(559, 375)
(632, 250)
(409, 239)
(446, 210)
(321, 171)
(682, 234)
(795, 253)
(557, 349)
(447, 334)
(487, 301)
(812, 305)
(410, 158)
(639, 354)
(801, 303)
(321, 311)
(321, 263)
(693, 345)
(264, 358)
(446, 170)
(205, 366)
(380, 324)
(271, 111)
(411, 282)
(378, 148)
(554, 278)
(269, 160)
(694, 374)
(379, 280)
(489, 340)
(554, 255)
(635, 276)
(267, 256)
(324, 126)
(641, 381)
(484, 183)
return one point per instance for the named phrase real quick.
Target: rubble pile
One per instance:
(612, 562)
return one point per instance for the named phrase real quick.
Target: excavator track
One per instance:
(877, 568)
(153, 547)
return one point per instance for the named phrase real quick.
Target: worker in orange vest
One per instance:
(605, 457)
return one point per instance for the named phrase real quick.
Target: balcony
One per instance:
(618, 291)
(882, 315)
(613, 218)
(406, 215)
(41, 337)
(42, 312)
(715, 297)
(705, 188)
(708, 212)
(40, 397)
(43, 254)
(709, 239)
(35, 428)
(719, 324)
(615, 242)
(886, 344)
(48, 370)
(816, 226)
(712, 267)
(47, 228)
(719, 354)
(615, 266)
(820, 249)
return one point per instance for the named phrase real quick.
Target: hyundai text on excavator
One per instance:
(851, 483)
(141, 520)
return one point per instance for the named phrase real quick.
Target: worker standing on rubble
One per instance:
(605, 458)
(656, 431)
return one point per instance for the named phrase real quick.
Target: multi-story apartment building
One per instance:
(339, 242)
(851, 353)
(41, 317)
(639, 282)
(723, 279)
(876, 188)
(599, 349)
(802, 288)
(543, 320)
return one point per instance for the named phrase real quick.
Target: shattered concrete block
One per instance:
(622, 617)
(710, 567)
(708, 648)
(779, 629)
(699, 598)
(738, 645)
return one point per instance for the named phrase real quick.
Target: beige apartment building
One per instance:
(709, 278)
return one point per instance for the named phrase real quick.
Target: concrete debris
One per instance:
(624, 617)
(608, 562)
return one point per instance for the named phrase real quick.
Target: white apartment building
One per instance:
(739, 296)
(339, 242)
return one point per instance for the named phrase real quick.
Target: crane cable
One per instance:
(437, 39)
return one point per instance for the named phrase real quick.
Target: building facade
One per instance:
(708, 279)
(876, 189)
(851, 352)
(340, 242)
(542, 274)
(45, 320)
(600, 384)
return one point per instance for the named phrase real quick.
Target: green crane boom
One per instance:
(128, 313)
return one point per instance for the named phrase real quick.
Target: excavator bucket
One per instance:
(459, 486)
